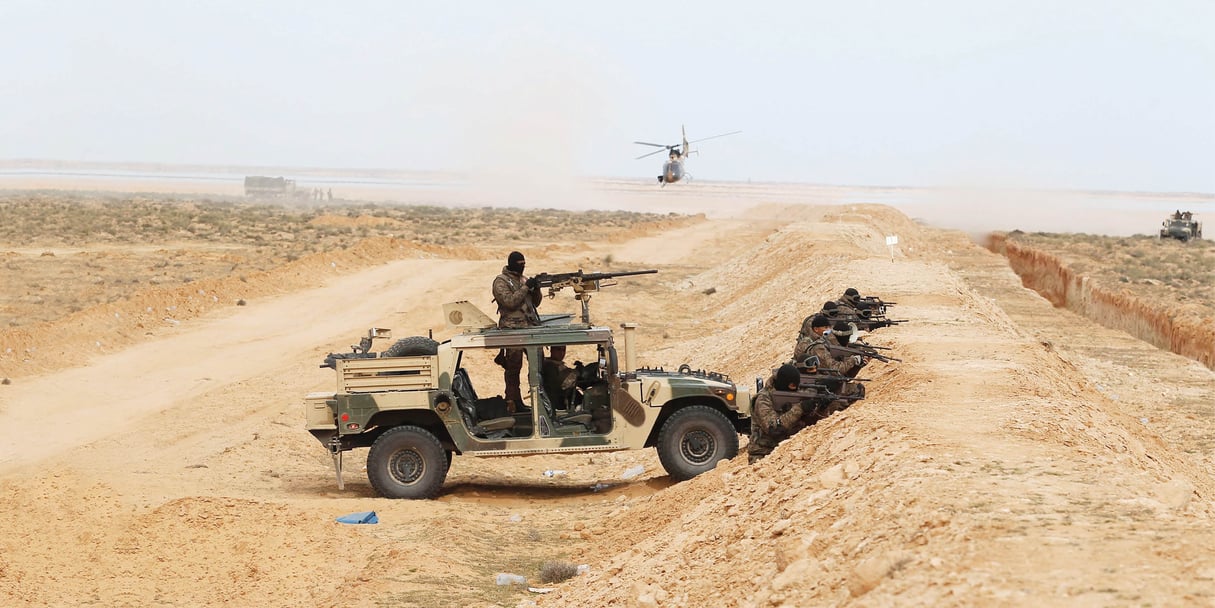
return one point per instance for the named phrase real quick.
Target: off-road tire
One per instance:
(407, 462)
(693, 439)
(412, 346)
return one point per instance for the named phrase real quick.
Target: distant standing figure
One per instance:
(517, 298)
(330, 194)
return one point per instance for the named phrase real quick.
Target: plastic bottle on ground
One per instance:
(504, 578)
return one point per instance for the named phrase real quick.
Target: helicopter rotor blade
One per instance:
(650, 154)
(646, 143)
(715, 136)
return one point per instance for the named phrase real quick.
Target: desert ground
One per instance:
(1019, 455)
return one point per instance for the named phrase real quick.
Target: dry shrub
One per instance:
(557, 571)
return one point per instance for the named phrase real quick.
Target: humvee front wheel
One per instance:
(407, 462)
(693, 439)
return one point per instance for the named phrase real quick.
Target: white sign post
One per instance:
(891, 241)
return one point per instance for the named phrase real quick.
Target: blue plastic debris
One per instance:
(364, 517)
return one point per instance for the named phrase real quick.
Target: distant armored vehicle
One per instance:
(1182, 226)
(257, 186)
(415, 404)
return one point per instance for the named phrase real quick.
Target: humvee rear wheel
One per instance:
(693, 439)
(407, 462)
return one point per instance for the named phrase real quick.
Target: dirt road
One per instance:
(1018, 456)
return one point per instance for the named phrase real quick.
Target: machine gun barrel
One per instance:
(561, 279)
(582, 283)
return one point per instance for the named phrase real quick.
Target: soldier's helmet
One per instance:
(842, 330)
(852, 292)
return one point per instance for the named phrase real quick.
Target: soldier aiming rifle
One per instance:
(874, 304)
(821, 391)
(862, 349)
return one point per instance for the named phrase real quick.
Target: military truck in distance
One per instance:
(258, 186)
(1182, 226)
(415, 404)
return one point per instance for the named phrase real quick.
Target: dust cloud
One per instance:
(521, 125)
(979, 211)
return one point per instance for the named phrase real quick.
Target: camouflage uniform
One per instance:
(852, 300)
(817, 346)
(769, 426)
(516, 302)
(834, 311)
(516, 308)
(559, 382)
(806, 330)
(845, 311)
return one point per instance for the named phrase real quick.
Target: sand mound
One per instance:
(156, 310)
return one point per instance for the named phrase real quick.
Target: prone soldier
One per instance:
(852, 300)
(773, 422)
(816, 344)
(825, 387)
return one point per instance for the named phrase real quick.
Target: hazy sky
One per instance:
(1083, 94)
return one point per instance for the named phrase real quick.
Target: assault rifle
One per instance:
(830, 379)
(874, 303)
(865, 322)
(582, 283)
(817, 400)
(874, 323)
(819, 383)
(863, 350)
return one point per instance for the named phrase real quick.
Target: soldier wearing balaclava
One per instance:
(517, 298)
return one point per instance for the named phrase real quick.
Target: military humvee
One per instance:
(416, 404)
(1182, 226)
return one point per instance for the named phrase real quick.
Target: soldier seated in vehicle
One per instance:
(558, 379)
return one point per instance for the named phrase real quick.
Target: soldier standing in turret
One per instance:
(517, 298)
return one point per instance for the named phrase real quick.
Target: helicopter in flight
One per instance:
(672, 170)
